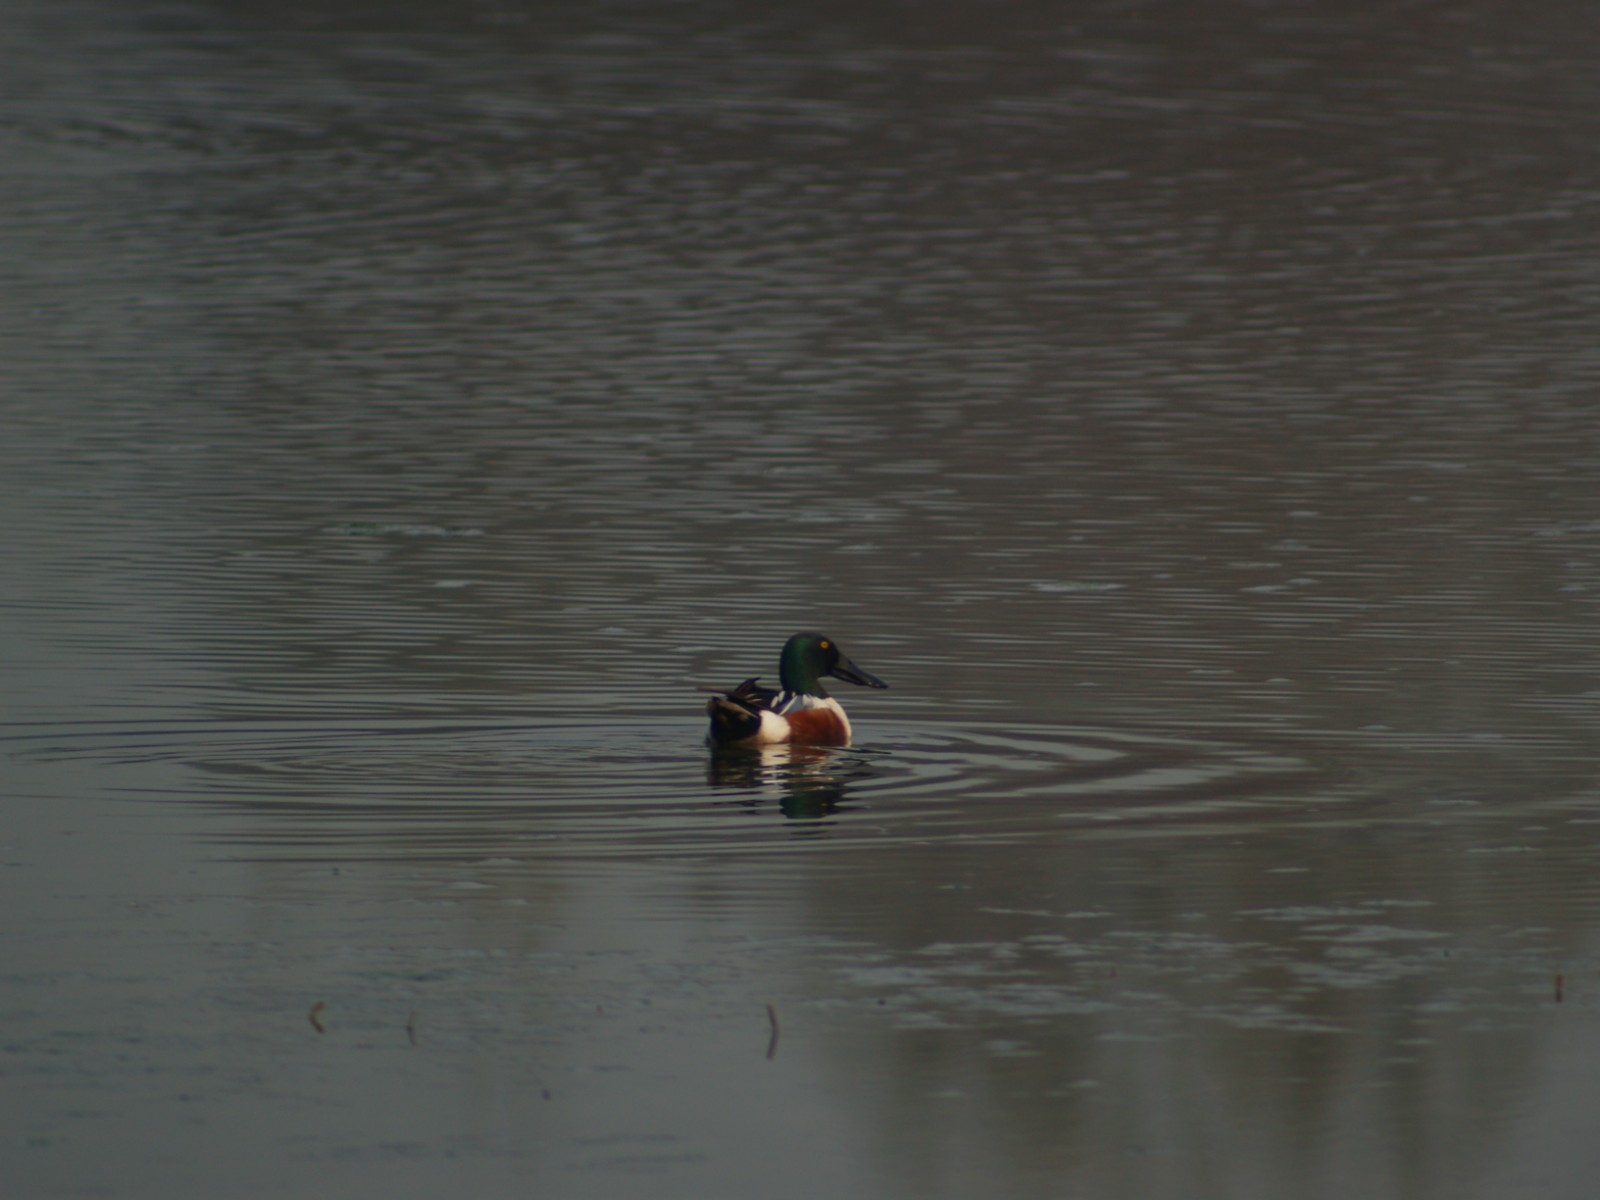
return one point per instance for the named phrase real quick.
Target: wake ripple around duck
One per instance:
(367, 789)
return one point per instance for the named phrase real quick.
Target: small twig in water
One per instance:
(411, 1026)
(315, 1013)
(772, 1043)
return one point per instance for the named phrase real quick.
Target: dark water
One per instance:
(1192, 411)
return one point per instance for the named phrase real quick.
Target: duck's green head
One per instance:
(807, 657)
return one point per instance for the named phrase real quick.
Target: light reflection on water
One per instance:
(1190, 416)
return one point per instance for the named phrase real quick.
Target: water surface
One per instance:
(1188, 411)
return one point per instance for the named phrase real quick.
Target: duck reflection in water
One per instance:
(813, 781)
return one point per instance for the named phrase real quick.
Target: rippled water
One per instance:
(1189, 411)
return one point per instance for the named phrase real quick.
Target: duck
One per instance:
(800, 712)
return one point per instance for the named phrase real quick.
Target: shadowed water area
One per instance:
(1191, 411)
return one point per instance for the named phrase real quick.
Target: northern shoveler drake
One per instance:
(800, 711)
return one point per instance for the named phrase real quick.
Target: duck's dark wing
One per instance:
(749, 694)
(736, 715)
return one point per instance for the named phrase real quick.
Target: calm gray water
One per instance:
(1192, 411)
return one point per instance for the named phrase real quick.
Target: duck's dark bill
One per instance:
(846, 670)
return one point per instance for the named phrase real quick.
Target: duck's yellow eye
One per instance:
(823, 643)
